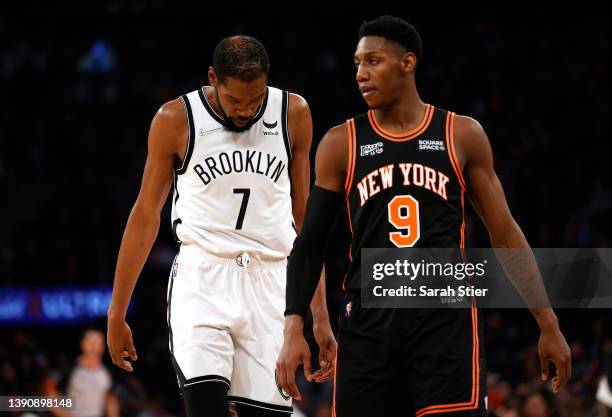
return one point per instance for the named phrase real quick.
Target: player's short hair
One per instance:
(242, 57)
(396, 30)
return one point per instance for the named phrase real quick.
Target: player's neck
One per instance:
(212, 99)
(404, 114)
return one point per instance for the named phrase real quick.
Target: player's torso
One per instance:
(233, 192)
(404, 190)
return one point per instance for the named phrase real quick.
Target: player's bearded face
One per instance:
(239, 101)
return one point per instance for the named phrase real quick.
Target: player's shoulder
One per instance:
(172, 112)
(468, 128)
(335, 139)
(297, 104)
(169, 128)
(470, 137)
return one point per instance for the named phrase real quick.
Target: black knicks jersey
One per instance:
(403, 190)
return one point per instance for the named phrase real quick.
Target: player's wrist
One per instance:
(546, 318)
(319, 317)
(294, 323)
(115, 314)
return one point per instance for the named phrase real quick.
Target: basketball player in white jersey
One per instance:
(237, 152)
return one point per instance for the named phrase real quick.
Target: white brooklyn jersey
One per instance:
(232, 193)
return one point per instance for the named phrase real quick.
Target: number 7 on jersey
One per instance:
(246, 193)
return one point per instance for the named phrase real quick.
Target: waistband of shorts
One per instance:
(232, 259)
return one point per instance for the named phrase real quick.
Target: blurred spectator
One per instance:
(89, 382)
(538, 404)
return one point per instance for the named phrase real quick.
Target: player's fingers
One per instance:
(126, 366)
(561, 372)
(115, 355)
(122, 363)
(324, 372)
(544, 367)
(132, 351)
(279, 376)
(282, 378)
(307, 368)
(318, 374)
(292, 388)
(323, 375)
(326, 357)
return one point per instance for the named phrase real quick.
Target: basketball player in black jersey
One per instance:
(403, 170)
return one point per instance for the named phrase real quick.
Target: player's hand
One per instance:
(295, 351)
(120, 343)
(553, 347)
(324, 337)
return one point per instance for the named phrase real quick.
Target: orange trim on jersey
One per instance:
(350, 220)
(335, 377)
(450, 146)
(475, 396)
(350, 154)
(429, 111)
(352, 142)
(463, 225)
(354, 158)
(350, 173)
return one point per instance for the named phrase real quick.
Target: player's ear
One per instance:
(212, 77)
(409, 62)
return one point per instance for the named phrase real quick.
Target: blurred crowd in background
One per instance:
(77, 100)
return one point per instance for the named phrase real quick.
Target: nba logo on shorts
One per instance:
(348, 309)
(175, 269)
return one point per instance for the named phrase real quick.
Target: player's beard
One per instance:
(226, 120)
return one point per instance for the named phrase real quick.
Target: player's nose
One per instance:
(245, 112)
(362, 74)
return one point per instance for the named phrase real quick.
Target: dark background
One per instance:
(79, 88)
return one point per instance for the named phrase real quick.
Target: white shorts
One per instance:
(226, 318)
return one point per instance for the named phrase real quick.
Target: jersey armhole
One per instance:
(450, 147)
(285, 123)
(350, 168)
(190, 139)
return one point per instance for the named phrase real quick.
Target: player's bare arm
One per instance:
(330, 171)
(167, 141)
(300, 133)
(487, 196)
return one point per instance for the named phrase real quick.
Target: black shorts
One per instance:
(409, 362)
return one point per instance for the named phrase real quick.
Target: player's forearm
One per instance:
(307, 255)
(521, 267)
(305, 265)
(318, 306)
(138, 238)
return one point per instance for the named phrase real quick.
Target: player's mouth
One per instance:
(240, 122)
(367, 91)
